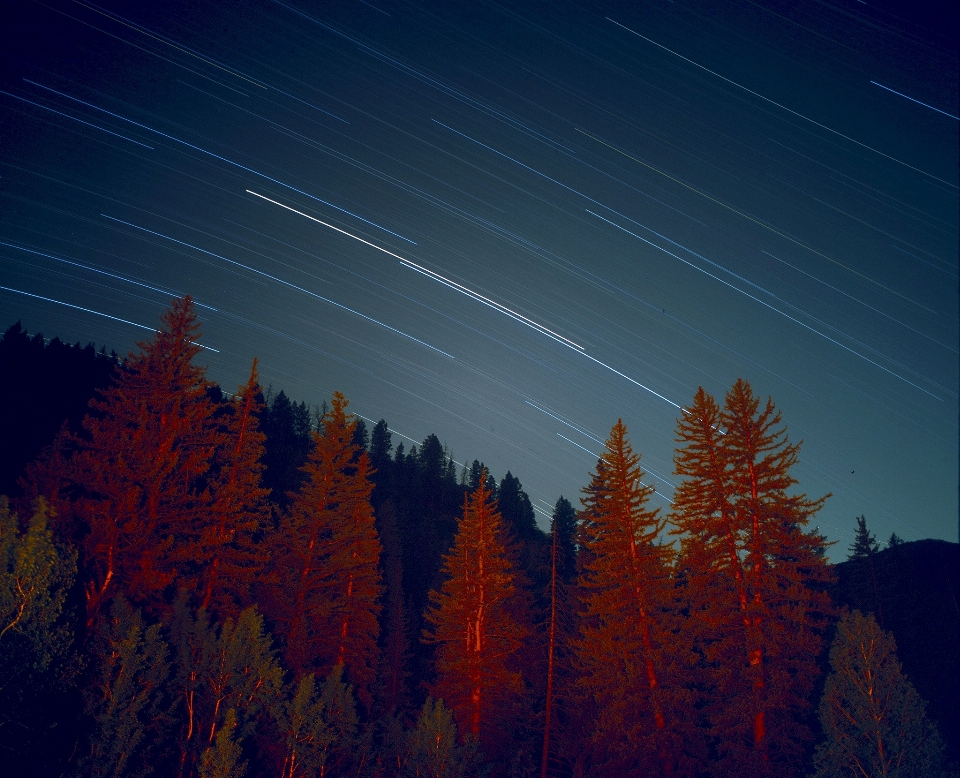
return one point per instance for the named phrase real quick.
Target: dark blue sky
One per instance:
(510, 224)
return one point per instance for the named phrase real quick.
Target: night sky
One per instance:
(509, 224)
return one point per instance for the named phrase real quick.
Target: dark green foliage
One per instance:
(36, 642)
(287, 427)
(54, 382)
(864, 543)
(433, 750)
(564, 525)
(126, 702)
(895, 540)
(319, 727)
(219, 667)
(222, 759)
(516, 509)
(873, 719)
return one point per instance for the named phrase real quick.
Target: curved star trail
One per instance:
(603, 208)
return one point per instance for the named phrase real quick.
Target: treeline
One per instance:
(196, 584)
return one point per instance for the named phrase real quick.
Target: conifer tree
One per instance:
(754, 580)
(475, 632)
(141, 466)
(220, 667)
(126, 701)
(239, 512)
(327, 552)
(318, 728)
(625, 656)
(864, 543)
(564, 730)
(874, 721)
(432, 749)
(222, 758)
(393, 673)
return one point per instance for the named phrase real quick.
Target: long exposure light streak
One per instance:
(783, 107)
(754, 220)
(437, 277)
(104, 272)
(284, 283)
(75, 119)
(914, 100)
(95, 313)
(767, 305)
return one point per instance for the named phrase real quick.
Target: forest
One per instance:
(196, 583)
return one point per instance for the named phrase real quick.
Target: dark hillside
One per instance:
(915, 598)
(43, 384)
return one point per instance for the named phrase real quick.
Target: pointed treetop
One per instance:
(864, 543)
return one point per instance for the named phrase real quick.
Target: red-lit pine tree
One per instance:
(234, 559)
(141, 465)
(327, 585)
(475, 632)
(754, 581)
(625, 656)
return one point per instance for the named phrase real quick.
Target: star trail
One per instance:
(511, 224)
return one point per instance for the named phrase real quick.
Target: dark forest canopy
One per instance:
(200, 583)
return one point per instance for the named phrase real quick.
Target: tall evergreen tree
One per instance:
(327, 580)
(626, 658)
(754, 579)
(475, 633)
(563, 525)
(141, 467)
(394, 670)
(288, 442)
(873, 720)
(239, 513)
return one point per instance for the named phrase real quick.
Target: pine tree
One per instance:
(393, 673)
(874, 721)
(141, 465)
(239, 511)
(754, 580)
(318, 728)
(624, 656)
(326, 597)
(894, 541)
(220, 667)
(561, 632)
(222, 758)
(863, 548)
(432, 749)
(475, 633)
(126, 702)
(864, 543)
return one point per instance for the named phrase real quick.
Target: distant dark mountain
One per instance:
(912, 589)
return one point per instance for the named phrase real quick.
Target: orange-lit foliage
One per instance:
(240, 511)
(754, 580)
(473, 627)
(141, 467)
(625, 655)
(326, 555)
